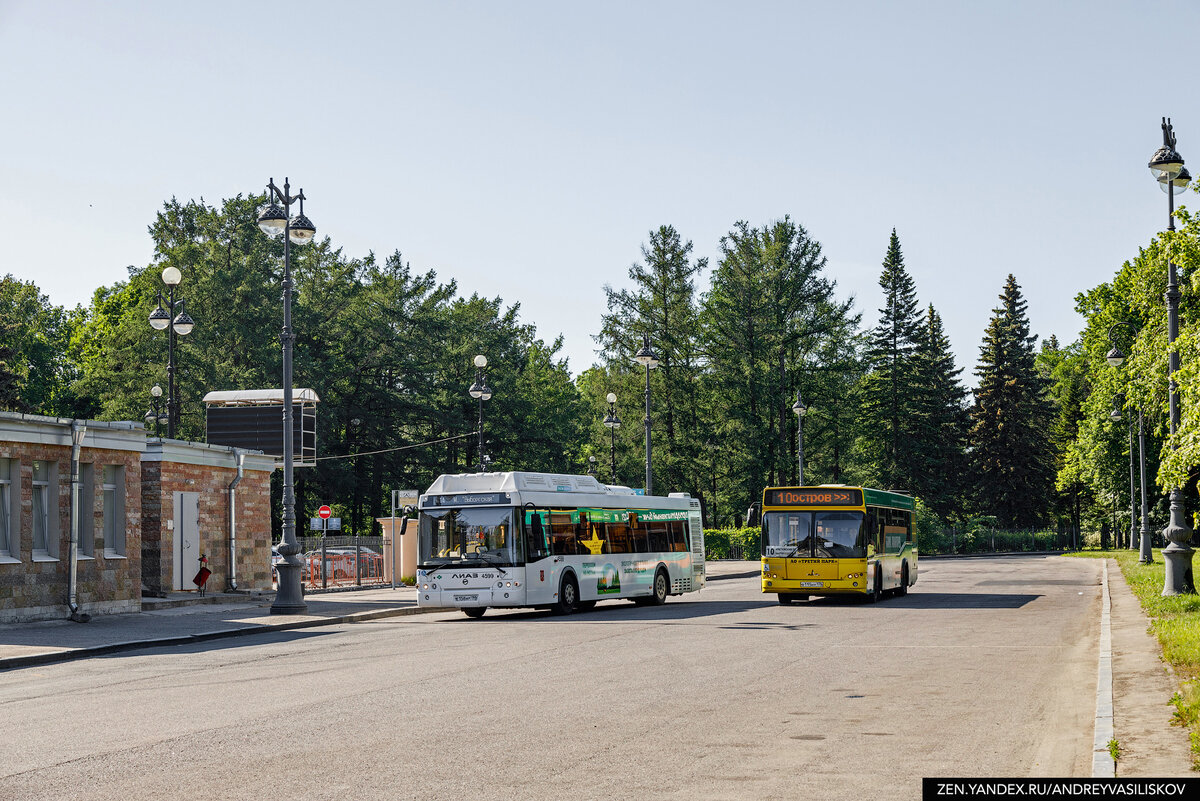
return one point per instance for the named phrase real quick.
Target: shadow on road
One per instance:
(623, 612)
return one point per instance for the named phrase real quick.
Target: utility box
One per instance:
(253, 419)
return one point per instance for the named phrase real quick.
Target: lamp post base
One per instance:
(1177, 579)
(289, 597)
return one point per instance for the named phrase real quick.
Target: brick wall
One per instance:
(161, 480)
(37, 587)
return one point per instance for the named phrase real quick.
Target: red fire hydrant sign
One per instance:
(324, 512)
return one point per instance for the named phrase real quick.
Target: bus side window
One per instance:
(908, 527)
(562, 534)
(678, 539)
(637, 536)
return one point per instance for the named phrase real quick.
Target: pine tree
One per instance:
(891, 393)
(662, 305)
(1012, 452)
(944, 423)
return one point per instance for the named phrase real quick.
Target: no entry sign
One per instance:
(324, 512)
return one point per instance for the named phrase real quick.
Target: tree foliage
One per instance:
(1013, 460)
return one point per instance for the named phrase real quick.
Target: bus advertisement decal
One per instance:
(609, 582)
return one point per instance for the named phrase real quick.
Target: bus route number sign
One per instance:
(814, 497)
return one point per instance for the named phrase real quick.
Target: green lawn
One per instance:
(1175, 621)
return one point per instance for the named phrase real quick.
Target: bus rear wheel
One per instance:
(662, 588)
(903, 588)
(568, 597)
(475, 612)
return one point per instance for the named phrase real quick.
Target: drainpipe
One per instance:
(240, 455)
(78, 429)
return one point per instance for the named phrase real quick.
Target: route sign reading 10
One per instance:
(814, 497)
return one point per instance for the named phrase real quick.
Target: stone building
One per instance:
(144, 512)
(205, 500)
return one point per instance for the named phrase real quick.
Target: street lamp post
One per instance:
(1116, 415)
(1116, 357)
(299, 230)
(154, 415)
(646, 357)
(482, 392)
(181, 324)
(613, 422)
(800, 409)
(1167, 167)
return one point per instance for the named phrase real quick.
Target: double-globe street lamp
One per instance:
(613, 422)
(1166, 165)
(647, 358)
(299, 230)
(481, 392)
(800, 410)
(181, 324)
(154, 415)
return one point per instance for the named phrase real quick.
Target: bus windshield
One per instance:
(479, 536)
(823, 535)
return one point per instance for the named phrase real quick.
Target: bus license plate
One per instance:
(461, 598)
(812, 584)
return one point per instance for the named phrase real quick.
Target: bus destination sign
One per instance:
(819, 496)
(469, 499)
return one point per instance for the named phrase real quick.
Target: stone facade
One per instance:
(34, 581)
(130, 510)
(171, 467)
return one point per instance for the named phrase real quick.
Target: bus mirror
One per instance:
(752, 516)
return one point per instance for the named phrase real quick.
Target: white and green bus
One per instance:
(507, 540)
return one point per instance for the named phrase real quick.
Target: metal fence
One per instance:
(341, 561)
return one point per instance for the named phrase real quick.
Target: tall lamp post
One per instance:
(800, 409)
(1167, 168)
(299, 230)
(181, 324)
(154, 415)
(1116, 357)
(647, 358)
(481, 392)
(613, 422)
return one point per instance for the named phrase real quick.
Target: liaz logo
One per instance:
(470, 575)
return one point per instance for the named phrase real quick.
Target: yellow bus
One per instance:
(837, 540)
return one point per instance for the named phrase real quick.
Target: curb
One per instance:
(747, 574)
(1103, 765)
(8, 663)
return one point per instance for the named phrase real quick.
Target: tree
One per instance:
(943, 421)
(891, 393)
(1013, 458)
(661, 305)
(35, 374)
(765, 321)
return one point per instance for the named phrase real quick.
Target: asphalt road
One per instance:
(987, 668)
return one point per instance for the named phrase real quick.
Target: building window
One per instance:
(85, 524)
(43, 536)
(114, 510)
(6, 544)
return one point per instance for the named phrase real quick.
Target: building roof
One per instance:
(258, 397)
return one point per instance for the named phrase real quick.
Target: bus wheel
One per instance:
(785, 598)
(661, 589)
(903, 588)
(475, 612)
(877, 588)
(568, 597)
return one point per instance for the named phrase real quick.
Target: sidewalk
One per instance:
(184, 618)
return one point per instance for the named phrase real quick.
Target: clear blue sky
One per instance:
(526, 149)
